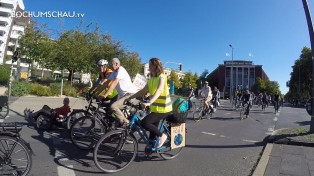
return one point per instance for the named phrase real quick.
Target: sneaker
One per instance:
(27, 113)
(162, 140)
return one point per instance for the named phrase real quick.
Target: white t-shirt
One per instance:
(124, 85)
(206, 92)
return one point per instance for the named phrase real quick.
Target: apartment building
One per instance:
(11, 27)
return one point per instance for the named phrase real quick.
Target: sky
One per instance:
(196, 33)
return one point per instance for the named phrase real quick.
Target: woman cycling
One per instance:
(159, 104)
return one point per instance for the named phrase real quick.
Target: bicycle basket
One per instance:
(3, 100)
(180, 111)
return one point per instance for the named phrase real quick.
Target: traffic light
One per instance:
(14, 57)
(180, 67)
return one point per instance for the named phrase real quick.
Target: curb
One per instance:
(262, 164)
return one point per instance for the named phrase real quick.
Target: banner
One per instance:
(177, 135)
(140, 81)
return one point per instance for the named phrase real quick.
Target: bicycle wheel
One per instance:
(4, 111)
(86, 131)
(43, 122)
(76, 115)
(15, 158)
(241, 113)
(115, 151)
(169, 153)
(197, 115)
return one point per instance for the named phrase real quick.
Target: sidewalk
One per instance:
(283, 159)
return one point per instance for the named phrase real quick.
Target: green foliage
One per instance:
(40, 90)
(301, 76)
(4, 75)
(20, 88)
(173, 77)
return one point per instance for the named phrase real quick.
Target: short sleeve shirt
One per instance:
(125, 84)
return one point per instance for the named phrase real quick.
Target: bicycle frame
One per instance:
(152, 144)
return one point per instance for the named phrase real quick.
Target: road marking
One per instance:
(275, 119)
(1, 120)
(66, 171)
(227, 113)
(209, 133)
(245, 140)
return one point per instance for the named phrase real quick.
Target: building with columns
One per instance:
(244, 75)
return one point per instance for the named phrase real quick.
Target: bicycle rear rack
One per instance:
(13, 127)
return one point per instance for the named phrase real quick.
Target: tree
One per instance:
(173, 77)
(33, 43)
(132, 63)
(301, 76)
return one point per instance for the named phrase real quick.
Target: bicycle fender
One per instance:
(27, 145)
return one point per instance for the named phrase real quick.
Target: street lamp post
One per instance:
(231, 75)
(311, 33)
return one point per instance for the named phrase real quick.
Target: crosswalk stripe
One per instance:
(62, 171)
(209, 133)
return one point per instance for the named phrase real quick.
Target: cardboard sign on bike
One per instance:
(177, 135)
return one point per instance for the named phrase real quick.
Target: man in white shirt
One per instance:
(206, 92)
(121, 80)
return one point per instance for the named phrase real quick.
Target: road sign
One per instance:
(309, 106)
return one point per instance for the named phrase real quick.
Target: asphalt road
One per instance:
(222, 145)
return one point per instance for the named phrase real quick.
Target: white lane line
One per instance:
(227, 113)
(222, 136)
(209, 133)
(62, 171)
(275, 119)
(245, 140)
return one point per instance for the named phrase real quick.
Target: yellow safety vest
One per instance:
(112, 94)
(163, 102)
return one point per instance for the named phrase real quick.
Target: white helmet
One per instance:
(102, 62)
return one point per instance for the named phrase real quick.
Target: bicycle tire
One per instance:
(169, 153)
(43, 122)
(4, 111)
(74, 116)
(23, 157)
(114, 151)
(86, 131)
(197, 115)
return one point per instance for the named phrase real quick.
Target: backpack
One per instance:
(179, 111)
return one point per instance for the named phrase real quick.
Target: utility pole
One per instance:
(11, 70)
(311, 33)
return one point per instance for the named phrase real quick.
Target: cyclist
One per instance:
(276, 101)
(264, 100)
(190, 94)
(246, 99)
(206, 93)
(60, 113)
(216, 95)
(159, 104)
(103, 72)
(121, 81)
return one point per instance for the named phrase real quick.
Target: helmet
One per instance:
(102, 62)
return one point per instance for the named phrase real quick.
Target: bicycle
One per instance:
(4, 106)
(244, 111)
(201, 112)
(77, 113)
(117, 149)
(87, 130)
(15, 153)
